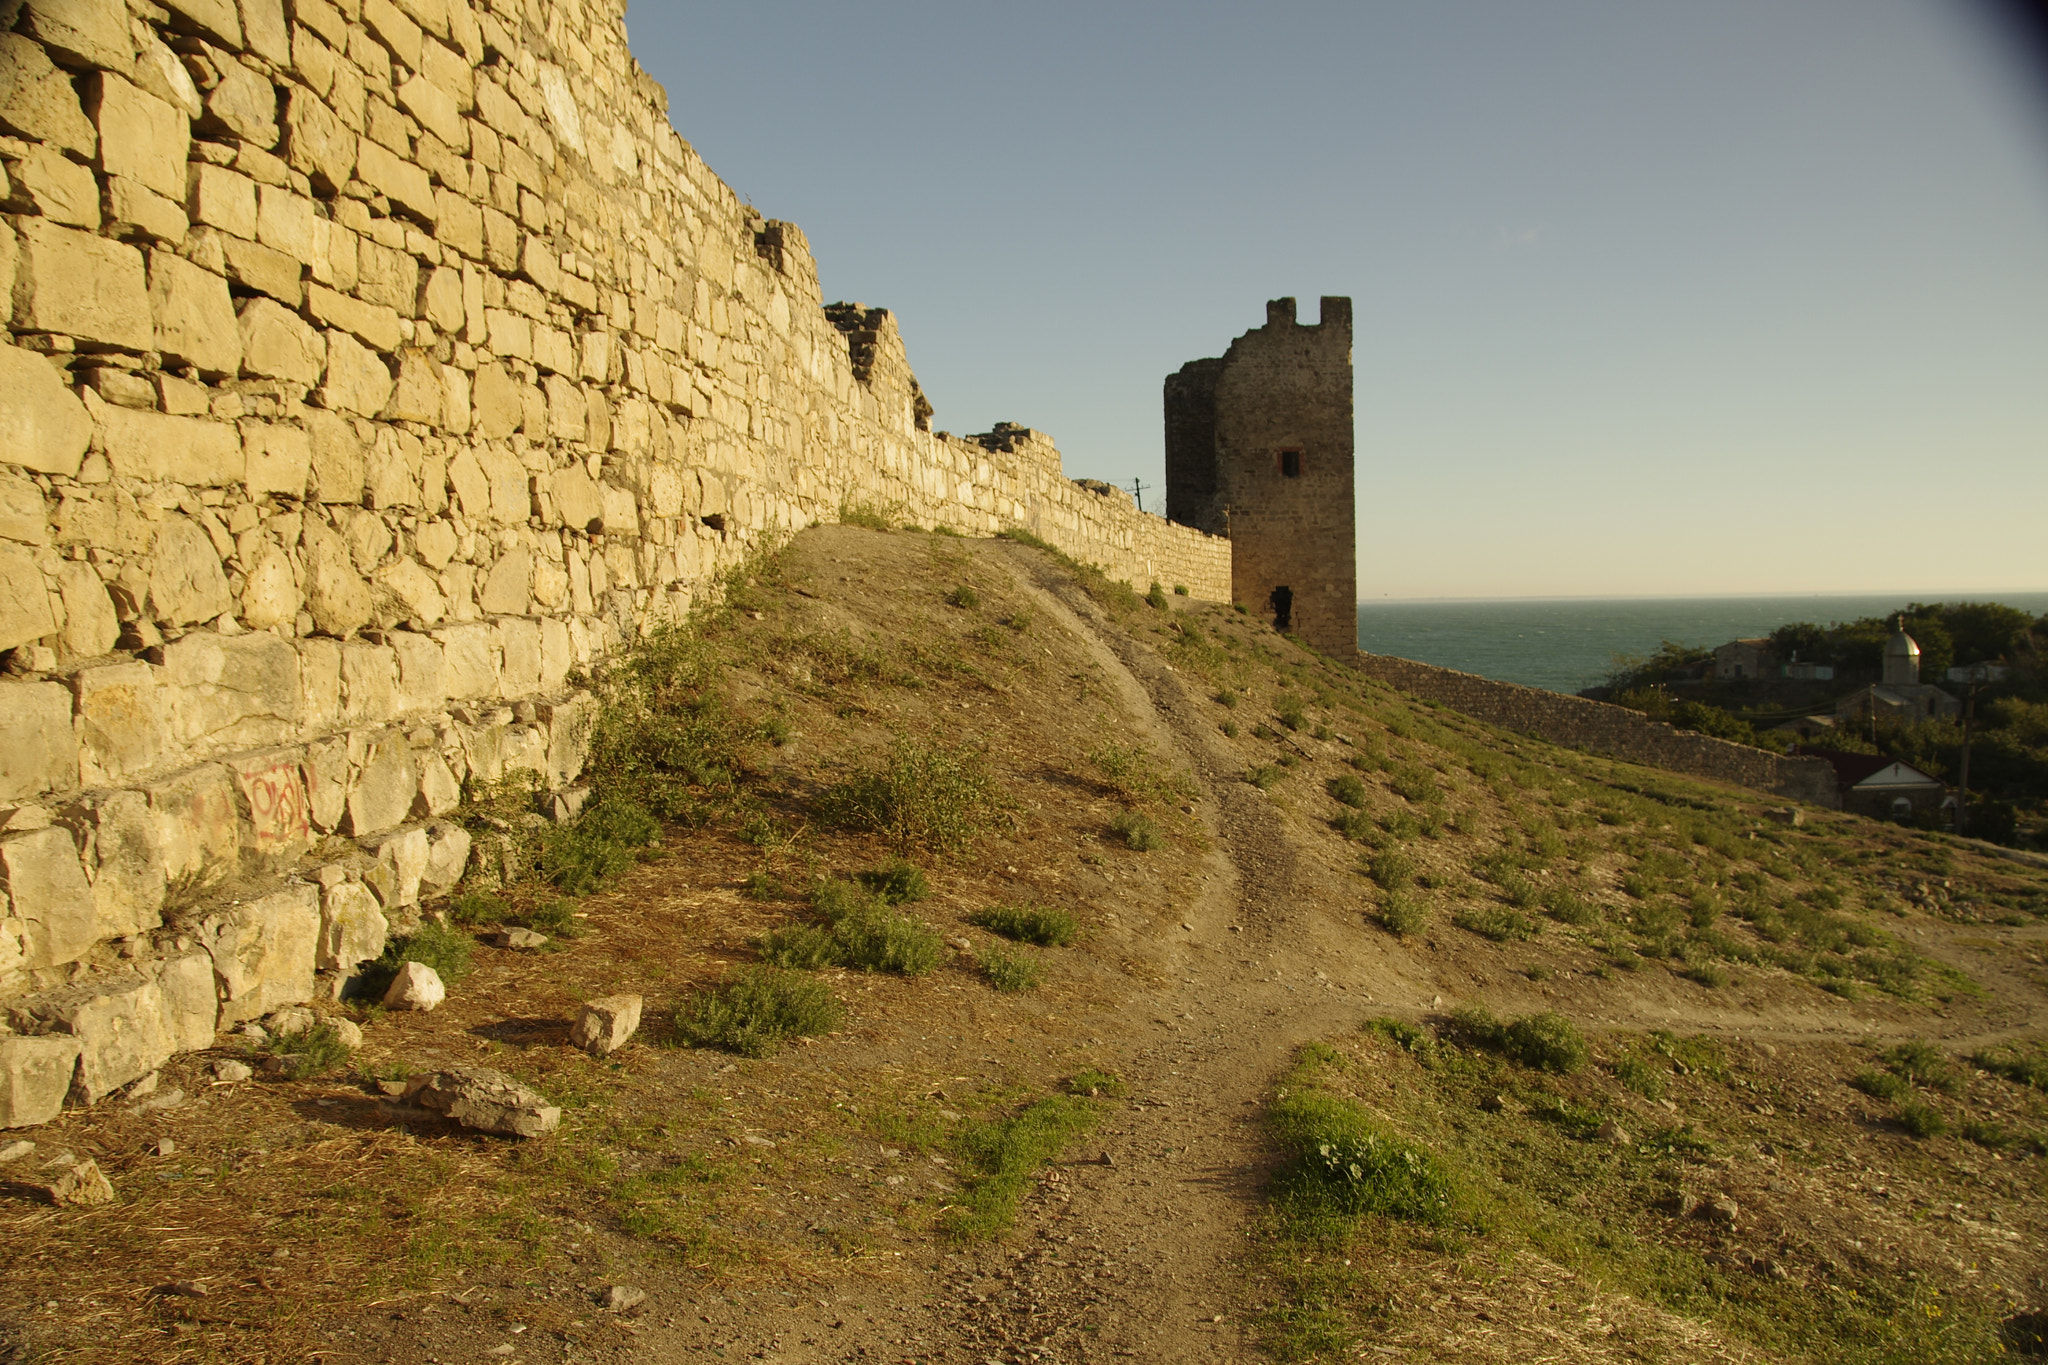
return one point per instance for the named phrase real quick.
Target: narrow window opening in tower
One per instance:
(1290, 463)
(1282, 603)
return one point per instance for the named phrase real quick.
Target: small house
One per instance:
(1886, 788)
(1743, 660)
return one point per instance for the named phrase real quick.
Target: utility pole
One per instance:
(1138, 492)
(1969, 715)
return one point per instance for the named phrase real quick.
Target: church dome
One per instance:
(1901, 657)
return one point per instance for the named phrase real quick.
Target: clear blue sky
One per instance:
(1653, 296)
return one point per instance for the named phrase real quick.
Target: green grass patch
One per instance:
(1403, 914)
(1137, 831)
(1496, 923)
(1002, 1156)
(1347, 790)
(933, 797)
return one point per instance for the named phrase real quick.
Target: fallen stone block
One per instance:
(353, 929)
(522, 939)
(604, 1024)
(486, 1100)
(416, 987)
(620, 1298)
(35, 1076)
(120, 1025)
(229, 1072)
(263, 952)
(81, 1185)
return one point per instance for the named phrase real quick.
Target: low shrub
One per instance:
(1290, 713)
(1923, 1064)
(1409, 1037)
(1391, 869)
(1046, 926)
(597, 846)
(1494, 922)
(1156, 597)
(898, 882)
(444, 948)
(1920, 1119)
(1265, 777)
(1645, 1078)
(2014, 1063)
(1880, 1085)
(884, 941)
(934, 796)
(1010, 969)
(1542, 1042)
(1137, 831)
(964, 597)
(1357, 826)
(754, 1009)
(555, 917)
(315, 1052)
(1347, 790)
(1348, 1165)
(1566, 907)
(1227, 699)
(1180, 590)
(1403, 915)
(478, 908)
(1415, 784)
(800, 947)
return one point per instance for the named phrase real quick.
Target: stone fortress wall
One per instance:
(372, 366)
(1581, 723)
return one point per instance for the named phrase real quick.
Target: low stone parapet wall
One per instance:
(1581, 723)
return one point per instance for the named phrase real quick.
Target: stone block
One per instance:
(486, 1100)
(519, 649)
(218, 197)
(603, 1025)
(387, 278)
(401, 863)
(469, 661)
(390, 26)
(579, 505)
(123, 728)
(382, 793)
(38, 750)
(270, 799)
(266, 31)
(326, 775)
(416, 987)
(121, 1028)
(499, 410)
(141, 137)
(448, 846)
(197, 830)
(336, 594)
(263, 952)
(25, 611)
(570, 723)
(278, 344)
(216, 18)
(87, 32)
(41, 875)
(418, 394)
(375, 324)
(35, 1078)
(358, 380)
(508, 589)
(270, 591)
(195, 318)
(277, 458)
(267, 271)
(420, 685)
(407, 185)
(150, 447)
(57, 187)
(76, 284)
(231, 692)
(353, 929)
(191, 1007)
(43, 425)
(243, 104)
(90, 625)
(440, 789)
(338, 464)
(24, 511)
(38, 101)
(318, 144)
(369, 682)
(186, 584)
(128, 864)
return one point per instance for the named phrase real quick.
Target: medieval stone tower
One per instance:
(1258, 448)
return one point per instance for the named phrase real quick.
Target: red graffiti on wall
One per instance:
(276, 801)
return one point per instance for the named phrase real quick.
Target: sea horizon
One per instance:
(1568, 643)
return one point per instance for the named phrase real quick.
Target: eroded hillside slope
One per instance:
(1261, 853)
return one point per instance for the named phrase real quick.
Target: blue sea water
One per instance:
(1566, 643)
